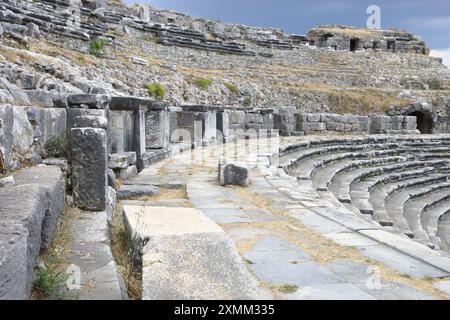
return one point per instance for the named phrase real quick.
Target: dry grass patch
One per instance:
(322, 249)
(122, 250)
(351, 100)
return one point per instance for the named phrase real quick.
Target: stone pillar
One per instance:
(89, 165)
(157, 129)
(209, 124)
(223, 125)
(139, 137)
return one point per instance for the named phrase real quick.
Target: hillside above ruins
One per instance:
(47, 46)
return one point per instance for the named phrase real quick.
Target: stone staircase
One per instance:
(401, 184)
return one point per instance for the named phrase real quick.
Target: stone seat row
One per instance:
(381, 180)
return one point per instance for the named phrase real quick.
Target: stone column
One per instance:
(139, 132)
(223, 125)
(89, 165)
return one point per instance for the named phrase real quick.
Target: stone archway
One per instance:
(426, 117)
(424, 121)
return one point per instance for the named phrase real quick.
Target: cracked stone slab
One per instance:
(90, 253)
(420, 252)
(276, 250)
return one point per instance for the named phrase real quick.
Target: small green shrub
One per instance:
(97, 47)
(204, 83)
(48, 282)
(56, 147)
(156, 90)
(232, 88)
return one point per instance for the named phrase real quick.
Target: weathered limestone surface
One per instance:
(185, 242)
(89, 164)
(6, 133)
(157, 129)
(52, 122)
(120, 126)
(29, 212)
(52, 182)
(132, 191)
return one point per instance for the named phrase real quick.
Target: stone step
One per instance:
(397, 198)
(413, 208)
(341, 182)
(323, 176)
(377, 196)
(432, 214)
(388, 199)
(444, 232)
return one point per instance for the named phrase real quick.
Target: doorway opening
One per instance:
(354, 44)
(391, 45)
(424, 122)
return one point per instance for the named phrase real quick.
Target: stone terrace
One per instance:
(289, 232)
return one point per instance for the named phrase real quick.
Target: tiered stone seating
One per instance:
(50, 16)
(402, 183)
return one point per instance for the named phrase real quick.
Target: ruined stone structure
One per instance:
(354, 39)
(78, 130)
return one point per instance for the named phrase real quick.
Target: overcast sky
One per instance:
(429, 19)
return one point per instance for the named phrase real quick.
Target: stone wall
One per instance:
(355, 39)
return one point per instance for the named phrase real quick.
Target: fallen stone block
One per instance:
(133, 191)
(128, 173)
(235, 174)
(122, 160)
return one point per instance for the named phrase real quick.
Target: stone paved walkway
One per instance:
(297, 242)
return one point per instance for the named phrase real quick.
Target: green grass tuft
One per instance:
(97, 47)
(156, 90)
(204, 83)
(232, 88)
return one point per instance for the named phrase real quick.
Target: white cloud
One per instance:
(444, 54)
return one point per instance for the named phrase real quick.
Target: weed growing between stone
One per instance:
(50, 276)
(122, 250)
